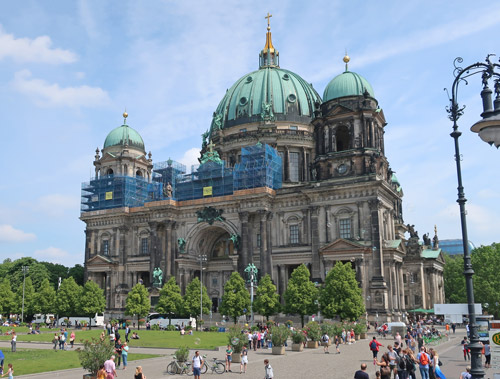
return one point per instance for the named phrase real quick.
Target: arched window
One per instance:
(342, 138)
(109, 172)
(138, 173)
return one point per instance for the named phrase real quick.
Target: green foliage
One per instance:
(8, 297)
(170, 300)
(454, 279)
(298, 336)
(279, 335)
(267, 302)
(170, 328)
(45, 298)
(157, 327)
(301, 293)
(359, 327)
(94, 353)
(137, 302)
(236, 297)
(55, 271)
(214, 329)
(192, 299)
(68, 298)
(236, 339)
(341, 295)
(92, 300)
(485, 262)
(313, 331)
(77, 272)
(182, 354)
(37, 272)
(29, 299)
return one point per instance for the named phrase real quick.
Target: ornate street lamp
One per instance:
(202, 258)
(489, 131)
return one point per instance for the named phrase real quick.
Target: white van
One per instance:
(97, 320)
(40, 318)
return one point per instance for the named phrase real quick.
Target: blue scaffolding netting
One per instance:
(260, 166)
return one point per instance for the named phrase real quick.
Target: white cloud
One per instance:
(57, 204)
(190, 157)
(46, 94)
(33, 50)
(50, 253)
(10, 234)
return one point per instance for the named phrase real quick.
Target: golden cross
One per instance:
(211, 146)
(268, 19)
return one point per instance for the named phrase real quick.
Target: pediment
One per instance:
(99, 259)
(338, 109)
(341, 245)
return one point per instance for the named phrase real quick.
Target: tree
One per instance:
(29, 300)
(68, 298)
(236, 298)
(267, 302)
(485, 262)
(454, 279)
(45, 298)
(170, 300)
(55, 271)
(301, 294)
(341, 295)
(37, 272)
(92, 300)
(77, 272)
(8, 297)
(192, 299)
(137, 302)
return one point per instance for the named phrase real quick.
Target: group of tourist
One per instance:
(61, 339)
(108, 370)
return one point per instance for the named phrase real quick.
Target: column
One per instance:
(168, 270)
(269, 240)
(282, 274)
(305, 169)
(243, 260)
(286, 164)
(315, 242)
(173, 247)
(263, 242)
(153, 249)
(108, 289)
(378, 263)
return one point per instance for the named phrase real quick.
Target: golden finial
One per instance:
(125, 115)
(268, 21)
(346, 60)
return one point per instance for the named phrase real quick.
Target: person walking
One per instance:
(393, 359)
(229, 358)
(72, 339)
(110, 368)
(101, 374)
(423, 363)
(268, 370)
(337, 344)
(125, 355)
(13, 342)
(487, 354)
(118, 351)
(2, 358)
(465, 348)
(10, 371)
(325, 341)
(244, 359)
(55, 341)
(138, 373)
(374, 347)
(385, 370)
(197, 362)
(361, 374)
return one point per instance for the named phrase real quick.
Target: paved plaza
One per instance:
(311, 363)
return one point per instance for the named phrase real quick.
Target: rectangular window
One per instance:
(282, 156)
(144, 246)
(345, 228)
(258, 240)
(294, 234)
(105, 247)
(294, 167)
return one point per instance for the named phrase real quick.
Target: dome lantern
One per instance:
(124, 136)
(269, 56)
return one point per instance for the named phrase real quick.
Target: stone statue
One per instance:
(157, 277)
(267, 112)
(217, 121)
(373, 167)
(236, 241)
(167, 190)
(411, 230)
(427, 240)
(182, 245)
(210, 215)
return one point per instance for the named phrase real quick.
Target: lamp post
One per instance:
(489, 131)
(202, 258)
(25, 269)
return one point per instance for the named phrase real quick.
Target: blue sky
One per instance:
(69, 68)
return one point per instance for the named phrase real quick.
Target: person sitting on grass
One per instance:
(135, 336)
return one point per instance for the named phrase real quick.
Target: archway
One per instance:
(342, 137)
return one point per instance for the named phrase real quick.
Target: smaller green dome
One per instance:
(347, 84)
(124, 135)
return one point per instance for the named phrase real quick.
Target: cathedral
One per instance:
(286, 177)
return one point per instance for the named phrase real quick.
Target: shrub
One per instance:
(182, 354)
(155, 327)
(298, 336)
(171, 328)
(289, 323)
(359, 328)
(313, 331)
(236, 339)
(94, 353)
(255, 328)
(279, 335)
(189, 327)
(270, 323)
(214, 329)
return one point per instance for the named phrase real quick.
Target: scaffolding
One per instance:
(115, 191)
(260, 166)
(167, 171)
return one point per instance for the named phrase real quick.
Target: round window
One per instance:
(292, 98)
(249, 79)
(286, 77)
(243, 100)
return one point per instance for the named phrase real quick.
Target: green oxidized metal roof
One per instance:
(270, 93)
(347, 84)
(124, 135)
(430, 253)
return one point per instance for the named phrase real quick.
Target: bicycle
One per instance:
(176, 367)
(216, 366)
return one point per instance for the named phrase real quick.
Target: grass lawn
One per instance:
(149, 338)
(27, 361)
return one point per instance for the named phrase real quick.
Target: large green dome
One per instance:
(268, 93)
(124, 135)
(347, 84)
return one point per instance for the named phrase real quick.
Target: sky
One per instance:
(68, 70)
